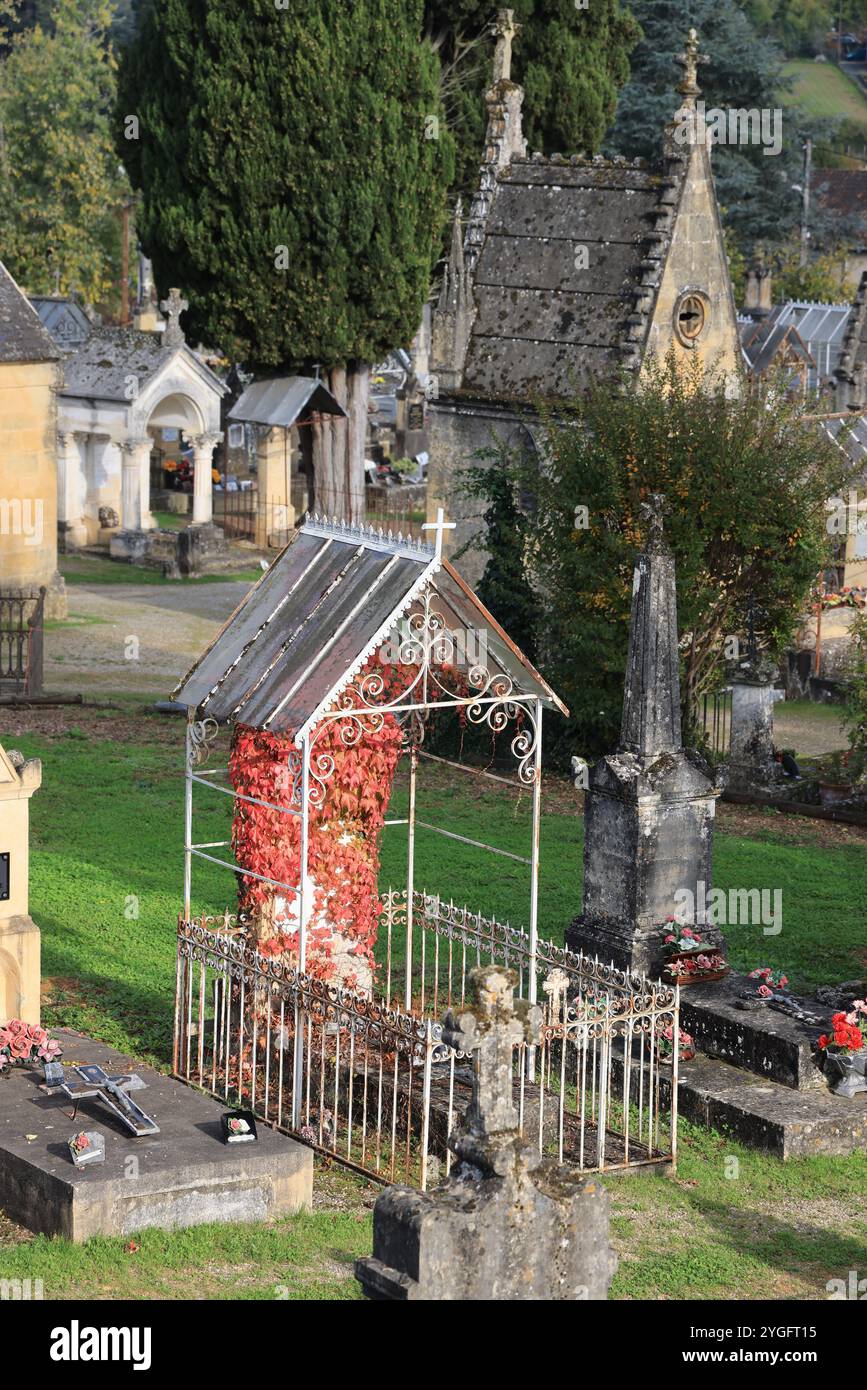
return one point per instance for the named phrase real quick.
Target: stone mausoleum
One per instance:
(567, 270)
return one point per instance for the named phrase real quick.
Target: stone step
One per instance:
(766, 1115)
(767, 1041)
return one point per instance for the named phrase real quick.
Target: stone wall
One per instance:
(28, 481)
(457, 432)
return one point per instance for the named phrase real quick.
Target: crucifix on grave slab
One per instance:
(506, 30)
(113, 1093)
(173, 307)
(440, 526)
(490, 1030)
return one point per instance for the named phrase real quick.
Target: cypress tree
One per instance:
(293, 168)
(571, 59)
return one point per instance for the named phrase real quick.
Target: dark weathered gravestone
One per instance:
(649, 810)
(508, 1224)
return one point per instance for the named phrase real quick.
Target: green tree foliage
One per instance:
(571, 62)
(303, 128)
(856, 704)
(821, 280)
(60, 185)
(744, 72)
(293, 166)
(745, 483)
(504, 587)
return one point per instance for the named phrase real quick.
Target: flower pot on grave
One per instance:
(665, 1058)
(691, 977)
(833, 793)
(846, 1072)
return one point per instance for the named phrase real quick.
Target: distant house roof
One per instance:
(842, 191)
(541, 328)
(766, 341)
(280, 401)
(820, 327)
(65, 320)
(320, 612)
(22, 335)
(100, 369)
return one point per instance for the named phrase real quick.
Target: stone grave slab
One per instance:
(767, 1041)
(183, 1176)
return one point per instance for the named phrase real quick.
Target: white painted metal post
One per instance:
(188, 818)
(303, 910)
(534, 872)
(410, 876)
(534, 852)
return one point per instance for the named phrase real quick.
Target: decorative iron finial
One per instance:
(689, 60)
(506, 29)
(173, 307)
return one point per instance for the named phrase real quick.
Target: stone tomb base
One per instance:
(757, 1074)
(183, 1176)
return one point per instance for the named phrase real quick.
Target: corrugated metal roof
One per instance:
(281, 400)
(329, 600)
(851, 435)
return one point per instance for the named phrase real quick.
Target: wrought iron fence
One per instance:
(374, 1086)
(716, 721)
(22, 626)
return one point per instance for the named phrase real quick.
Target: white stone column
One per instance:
(203, 462)
(70, 492)
(136, 452)
(147, 520)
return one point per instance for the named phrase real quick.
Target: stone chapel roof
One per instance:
(22, 336)
(545, 327)
(101, 367)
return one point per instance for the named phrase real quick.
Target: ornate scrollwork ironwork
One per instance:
(202, 733)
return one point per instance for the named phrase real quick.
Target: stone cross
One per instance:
(173, 307)
(689, 60)
(506, 29)
(491, 1030)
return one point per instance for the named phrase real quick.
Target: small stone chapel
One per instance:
(569, 269)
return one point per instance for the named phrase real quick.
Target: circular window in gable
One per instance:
(690, 318)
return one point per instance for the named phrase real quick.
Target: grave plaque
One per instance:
(239, 1127)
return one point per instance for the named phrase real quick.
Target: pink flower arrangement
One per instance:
(701, 964)
(665, 1043)
(682, 938)
(26, 1042)
(770, 983)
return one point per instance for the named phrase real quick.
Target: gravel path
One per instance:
(135, 638)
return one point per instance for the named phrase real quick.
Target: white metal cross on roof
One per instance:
(440, 525)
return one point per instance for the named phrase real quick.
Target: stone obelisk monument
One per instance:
(649, 809)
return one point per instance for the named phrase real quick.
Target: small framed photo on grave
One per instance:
(52, 1073)
(87, 1147)
(239, 1127)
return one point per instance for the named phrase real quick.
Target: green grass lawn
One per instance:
(93, 569)
(821, 89)
(106, 877)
